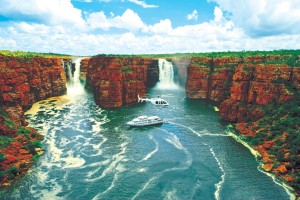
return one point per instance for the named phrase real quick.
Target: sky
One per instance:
(90, 27)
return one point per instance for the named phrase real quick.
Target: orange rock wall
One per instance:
(117, 81)
(83, 68)
(28, 80)
(241, 85)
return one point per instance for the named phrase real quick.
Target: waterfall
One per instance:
(166, 75)
(74, 87)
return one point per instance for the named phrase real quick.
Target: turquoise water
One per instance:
(92, 154)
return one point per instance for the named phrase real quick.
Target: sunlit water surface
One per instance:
(92, 154)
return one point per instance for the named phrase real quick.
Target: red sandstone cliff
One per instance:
(83, 68)
(180, 69)
(24, 81)
(117, 81)
(261, 93)
(28, 80)
(241, 85)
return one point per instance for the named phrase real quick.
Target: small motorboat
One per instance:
(145, 121)
(156, 101)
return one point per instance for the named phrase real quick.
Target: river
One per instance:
(92, 154)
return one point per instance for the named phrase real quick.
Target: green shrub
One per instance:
(2, 157)
(23, 131)
(2, 174)
(32, 145)
(9, 123)
(254, 142)
(14, 170)
(5, 141)
(11, 175)
(23, 165)
(35, 157)
(4, 113)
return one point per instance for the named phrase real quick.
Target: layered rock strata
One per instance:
(180, 69)
(241, 85)
(28, 80)
(24, 81)
(118, 81)
(261, 95)
(83, 69)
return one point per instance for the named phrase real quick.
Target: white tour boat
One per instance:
(156, 101)
(145, 121)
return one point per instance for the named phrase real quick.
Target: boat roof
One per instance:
(153, 117)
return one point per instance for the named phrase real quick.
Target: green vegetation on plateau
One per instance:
(19, 148)
(23, 54)
(234, 54)
(279, 131)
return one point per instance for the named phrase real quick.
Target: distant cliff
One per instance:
(118, 81)
(261, 95)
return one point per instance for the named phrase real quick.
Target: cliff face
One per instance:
(261, 94)
(83, 69)
(210, 78)
(25, 81)
(240, 85)
(180, 69)
(254, 85)
(117, 81)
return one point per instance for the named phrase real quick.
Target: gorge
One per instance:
(163, 162)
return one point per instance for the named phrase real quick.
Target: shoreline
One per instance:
(277, 180)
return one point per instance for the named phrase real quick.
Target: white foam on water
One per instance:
(142, 170)
(145, 186)
(116, 159)
(55, 151)
(120, 168)
(171, 195)
(72, 162)
(112, 185)
(192, 130)
(221, 182)
(238, 139)
(52, 193)
(289, 190)
(64, 142)
(97, 126)
(150, 154)
(175, 142)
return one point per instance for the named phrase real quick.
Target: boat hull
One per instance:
(140, 125)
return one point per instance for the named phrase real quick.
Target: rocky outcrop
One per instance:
(19, 148)
(241, 85)
(83, 69)
(210, 78)
(254, 85)
(261, 95)
(24, 81)
(180, 69)
(118, 81)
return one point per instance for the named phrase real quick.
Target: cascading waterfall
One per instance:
(74, 86)
(166, 75)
